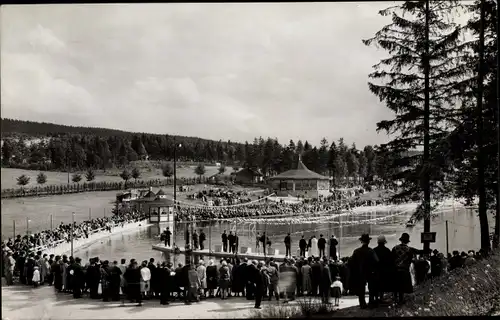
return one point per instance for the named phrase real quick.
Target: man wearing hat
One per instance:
(362, 265)
(403, 257)
(384, 281)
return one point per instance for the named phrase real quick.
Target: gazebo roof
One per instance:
(301, 173)
(160, 193)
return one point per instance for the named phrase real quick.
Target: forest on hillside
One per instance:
(81, 148)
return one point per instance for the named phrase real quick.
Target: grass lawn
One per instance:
(9, 175)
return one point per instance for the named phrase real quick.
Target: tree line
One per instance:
(79, 151)
(440, 80)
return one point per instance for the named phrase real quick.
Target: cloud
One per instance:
(219, 71)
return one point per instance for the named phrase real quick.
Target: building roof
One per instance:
(254, 173)
(161, 193)
(301, 173)
(150, 194)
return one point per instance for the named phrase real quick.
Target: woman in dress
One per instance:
(224, 277)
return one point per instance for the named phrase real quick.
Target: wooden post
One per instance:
(27, 226)
(72, 230)
(341, 234)
(447, 242)
(90, 213)
(14, 230)
(51, 222)
(104, 212)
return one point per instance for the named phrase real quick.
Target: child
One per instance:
(337, 290)
(36, 277)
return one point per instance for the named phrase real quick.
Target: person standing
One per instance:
(168, 234)
(236, 243)
(56, 270)
(288, 244)
(115, 281)
(302, 246)
(306, 277)
(165, 283)
(333, 247)
(224, 241)
(203, 237)
(202, 276)
(133, 278)
(363, 264)
(105, 280)
(224, 277)
(195, 240)
(123, 283)
(93, 278)
(257, 243)
(326, 282)
(316, 269)
(263, 239)
(403, 257)
(231, 240)
(9, 268)
(321, 246)
(386, 268)
(77, 278)
(154, 289)
(145, 280)
(211, 278)
(314, 247)
(187, 238)
(258, 284)
(272, 271)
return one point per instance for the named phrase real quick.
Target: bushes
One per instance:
(92, 186)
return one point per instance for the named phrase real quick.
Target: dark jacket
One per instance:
(362, 265)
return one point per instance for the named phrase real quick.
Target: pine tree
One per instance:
(417, 63)
(136, 173)
(167, 170)
(41, 178)
(90, 175)
(76, 177)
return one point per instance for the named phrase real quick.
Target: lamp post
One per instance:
(72, 230)
(175, 195)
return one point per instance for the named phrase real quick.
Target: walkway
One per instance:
(21, 302)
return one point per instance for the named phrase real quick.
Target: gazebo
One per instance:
(300, 182)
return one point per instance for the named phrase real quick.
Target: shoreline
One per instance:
(64, 247)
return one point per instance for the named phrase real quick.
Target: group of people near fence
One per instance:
(62, 232)
(379, 270)
(25, 247)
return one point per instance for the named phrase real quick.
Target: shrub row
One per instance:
(94, 186)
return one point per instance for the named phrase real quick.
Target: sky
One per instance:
(216, 71)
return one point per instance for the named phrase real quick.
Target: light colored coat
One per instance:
(314, 251)
(36, 276)
(202, 275)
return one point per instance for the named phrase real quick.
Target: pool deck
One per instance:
(211, 253)
(23, 302)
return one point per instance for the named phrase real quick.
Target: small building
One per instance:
(300, 182)
(247, 175)
(156, 205)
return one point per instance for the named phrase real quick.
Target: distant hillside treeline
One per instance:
(81, 148)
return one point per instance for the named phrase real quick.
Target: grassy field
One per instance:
(9, 175)
(95, 204)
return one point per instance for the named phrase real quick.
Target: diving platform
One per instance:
(244, 252)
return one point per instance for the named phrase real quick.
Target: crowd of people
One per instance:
(27, 245)
(221, 197)
(382, 270)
